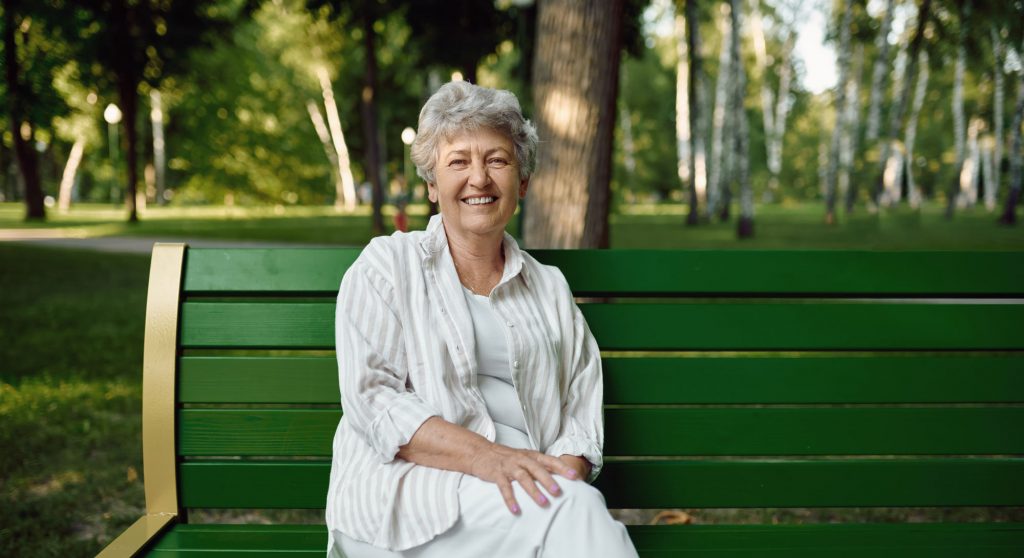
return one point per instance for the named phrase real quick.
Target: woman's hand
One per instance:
(502, 465)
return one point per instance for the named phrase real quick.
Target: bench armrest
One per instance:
(147, 529)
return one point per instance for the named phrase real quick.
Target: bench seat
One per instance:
(926, 540)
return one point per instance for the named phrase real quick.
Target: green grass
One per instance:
(792, 225)
(70, 360)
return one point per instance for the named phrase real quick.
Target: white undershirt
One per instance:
(494, 374)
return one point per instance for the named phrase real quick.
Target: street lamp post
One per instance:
(408, 136)
(112, 115)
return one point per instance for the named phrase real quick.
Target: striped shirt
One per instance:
(406, 352)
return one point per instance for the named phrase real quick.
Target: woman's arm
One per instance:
(443, 445)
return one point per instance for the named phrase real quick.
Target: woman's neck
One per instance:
(480, 261)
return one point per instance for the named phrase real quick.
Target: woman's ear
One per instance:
(524, 185)
(432, 192)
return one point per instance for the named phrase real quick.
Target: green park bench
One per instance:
(734, 379)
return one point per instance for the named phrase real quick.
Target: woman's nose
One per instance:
(478, 175)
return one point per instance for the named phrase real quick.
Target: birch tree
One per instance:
(1009, 216)
(575, 84)
(913, 194)
(879, 79)
(840, 106)
(335, 146)
(902, 98)
(695, 100)
(999, 53)
(774, 108)
(956, 189)
(851, 123)
(720, 125)
(741, 133)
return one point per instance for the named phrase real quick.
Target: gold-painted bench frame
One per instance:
(159, 368)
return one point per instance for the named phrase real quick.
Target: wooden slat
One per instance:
(945, 540)
(669, 484)
(698, 326)
(282, 270)
(929, 540)
(685, 272)
(664, 432)
(848, 482)
(970, 378)
(258, 380)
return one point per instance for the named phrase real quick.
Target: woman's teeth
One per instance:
(479, 201)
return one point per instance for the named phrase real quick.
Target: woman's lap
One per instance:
(574, 523)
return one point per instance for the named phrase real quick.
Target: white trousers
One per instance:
(575, 523)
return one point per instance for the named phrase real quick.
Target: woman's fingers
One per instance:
(508, 495)
(558, 466)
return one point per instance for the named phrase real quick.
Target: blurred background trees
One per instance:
(303, 102)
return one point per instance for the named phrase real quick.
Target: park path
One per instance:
(129, 244)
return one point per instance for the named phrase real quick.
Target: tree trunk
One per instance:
(761, 56)
(345, 186)
(913, 195)
(67, 181)
(879, 79)
(719, 124)
(775, 139)
(698, 161)
(1009, 216)
(851, 123)
(999, 50)
(129, 97)
(879, 76)
(831, 184)
(902, 98)
(741, 137)
(959, 126)
(370, 129)
(575, 84)
(22, 131)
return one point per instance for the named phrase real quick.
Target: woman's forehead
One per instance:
(479, 139)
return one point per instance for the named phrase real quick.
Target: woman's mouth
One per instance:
(480, 200)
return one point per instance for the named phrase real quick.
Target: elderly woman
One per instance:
(470, 383)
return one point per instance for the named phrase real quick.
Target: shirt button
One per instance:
(458, 348)
(515, 364)
(510, 324)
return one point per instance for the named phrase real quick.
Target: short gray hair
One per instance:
(460, 106)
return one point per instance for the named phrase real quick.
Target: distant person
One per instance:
(470, 382)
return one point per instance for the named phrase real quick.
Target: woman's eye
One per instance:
(498, 162)
(457, 163)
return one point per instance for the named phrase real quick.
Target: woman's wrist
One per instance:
(580, 464)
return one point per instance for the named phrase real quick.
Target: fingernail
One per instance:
(572, 473)
(515, 509)
(543, 501)
(554, 489)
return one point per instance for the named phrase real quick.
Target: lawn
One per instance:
(71, 323)
(795, 225)
(72, 327)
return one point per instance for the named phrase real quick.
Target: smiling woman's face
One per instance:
(478, 184)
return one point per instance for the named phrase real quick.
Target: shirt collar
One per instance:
(436, 241)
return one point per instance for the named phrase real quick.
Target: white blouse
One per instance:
(407, 351)
(494, 374)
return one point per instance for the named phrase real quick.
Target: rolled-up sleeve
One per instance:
(372, 368)
(582, 431)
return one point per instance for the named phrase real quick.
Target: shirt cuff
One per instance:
(571, 445)
(396, 424)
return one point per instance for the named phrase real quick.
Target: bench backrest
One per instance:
(733, 379)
